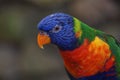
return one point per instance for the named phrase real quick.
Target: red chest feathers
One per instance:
(88, 59)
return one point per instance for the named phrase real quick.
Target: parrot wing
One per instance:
(115, 48)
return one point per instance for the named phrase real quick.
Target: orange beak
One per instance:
(43, 39)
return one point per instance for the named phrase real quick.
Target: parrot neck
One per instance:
(83, 31)
(70, 44)
(80, 32)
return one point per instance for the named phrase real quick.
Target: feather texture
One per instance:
(88, 54)
(88, 59)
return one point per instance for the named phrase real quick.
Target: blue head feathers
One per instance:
(59, 27)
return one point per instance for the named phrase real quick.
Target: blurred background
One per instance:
(20, 56)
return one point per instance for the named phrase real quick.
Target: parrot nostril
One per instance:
(42, 33)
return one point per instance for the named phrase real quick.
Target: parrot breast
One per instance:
(88, 59)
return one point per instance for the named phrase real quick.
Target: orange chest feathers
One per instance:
(88, 59)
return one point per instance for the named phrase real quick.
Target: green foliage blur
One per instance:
(20, 56)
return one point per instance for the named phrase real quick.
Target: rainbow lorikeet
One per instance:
(88, 54)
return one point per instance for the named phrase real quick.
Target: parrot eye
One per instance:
(56, 29)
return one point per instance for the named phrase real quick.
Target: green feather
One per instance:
(90, 34)
(86, 31)
(77, 25)
(115, 48)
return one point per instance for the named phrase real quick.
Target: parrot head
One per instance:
(58, 29)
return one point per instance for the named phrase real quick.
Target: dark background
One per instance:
(20, 56)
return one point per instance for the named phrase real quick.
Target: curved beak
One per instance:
(43, 39)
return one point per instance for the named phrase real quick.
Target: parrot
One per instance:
(87, 53)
